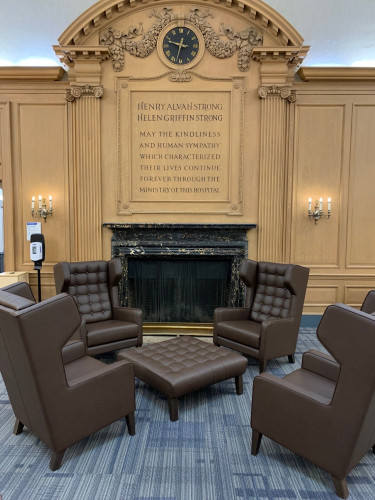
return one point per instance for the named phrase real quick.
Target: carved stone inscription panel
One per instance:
(180, 145)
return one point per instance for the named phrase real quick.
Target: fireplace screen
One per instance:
(170, 290)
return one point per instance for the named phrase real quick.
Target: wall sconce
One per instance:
(318, 213)
(42, 209)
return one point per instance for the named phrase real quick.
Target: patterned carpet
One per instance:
(203, 456)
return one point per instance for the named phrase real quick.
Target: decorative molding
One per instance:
(231, 203)
(78, 91)
(256, 11)
(69, 54)
(243, 41)
(292, 55)
(31, 73)
(338, 74)
(278, 92)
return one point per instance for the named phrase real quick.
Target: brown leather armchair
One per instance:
(324, 411)
(267, 327)
(60, 403)
(94, 286)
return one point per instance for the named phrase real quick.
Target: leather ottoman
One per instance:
(184, 364)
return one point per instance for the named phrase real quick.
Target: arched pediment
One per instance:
(256, 12)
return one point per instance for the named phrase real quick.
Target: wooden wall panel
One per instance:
(7, 183)
(42, 169)
(354, 295)
(319, 295)
(361, 234)
(318, 160)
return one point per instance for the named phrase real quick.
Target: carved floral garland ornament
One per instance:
(243, 41)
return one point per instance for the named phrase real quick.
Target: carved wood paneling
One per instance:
(86, 177)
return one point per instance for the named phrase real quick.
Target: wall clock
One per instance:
(180, 45)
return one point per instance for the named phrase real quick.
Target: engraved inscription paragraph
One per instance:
(180, 146)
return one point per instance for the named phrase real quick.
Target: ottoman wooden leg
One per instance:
(173, 409)
(239, 385)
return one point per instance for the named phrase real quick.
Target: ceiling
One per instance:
(340, 32)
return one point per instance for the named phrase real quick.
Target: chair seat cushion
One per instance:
(312, 385)
(112, 330)
(244, 332)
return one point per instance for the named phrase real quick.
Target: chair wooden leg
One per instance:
(341, 487)
(130, 423)
(262, 365)
(255, 442)
(291, 358)
(239, 385)
(18, 427)
(56, 459)
(173, 409)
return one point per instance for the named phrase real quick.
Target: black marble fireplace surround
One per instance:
(212, 242)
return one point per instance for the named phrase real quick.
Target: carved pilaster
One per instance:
(86, 171)
(273, 181)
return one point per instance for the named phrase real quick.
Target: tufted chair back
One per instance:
(272, 298)
(89, 284)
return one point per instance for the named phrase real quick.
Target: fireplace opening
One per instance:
(180, 289)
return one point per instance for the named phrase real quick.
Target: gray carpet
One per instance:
(203, 456)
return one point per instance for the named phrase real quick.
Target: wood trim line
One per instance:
(31, 73)
(316, 73)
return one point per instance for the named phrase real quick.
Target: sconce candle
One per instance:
(318, 213)
(42, 211)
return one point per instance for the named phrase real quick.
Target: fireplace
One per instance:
(179, 273)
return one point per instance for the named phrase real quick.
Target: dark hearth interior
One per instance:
(179, 289)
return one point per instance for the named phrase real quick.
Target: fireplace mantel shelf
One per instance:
(223, 227)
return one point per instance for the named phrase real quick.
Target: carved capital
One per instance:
(78, 91)
(279, 92)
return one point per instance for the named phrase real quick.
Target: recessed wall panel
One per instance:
(318, 167)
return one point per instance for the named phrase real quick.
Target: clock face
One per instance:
(181, 45)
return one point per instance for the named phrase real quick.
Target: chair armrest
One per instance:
(231, 314)
(131, 314)
(278, 335)
(102, 370)
(273, 395)
(322, 364)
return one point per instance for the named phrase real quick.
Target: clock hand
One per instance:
(179, 47)
(179, 44)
